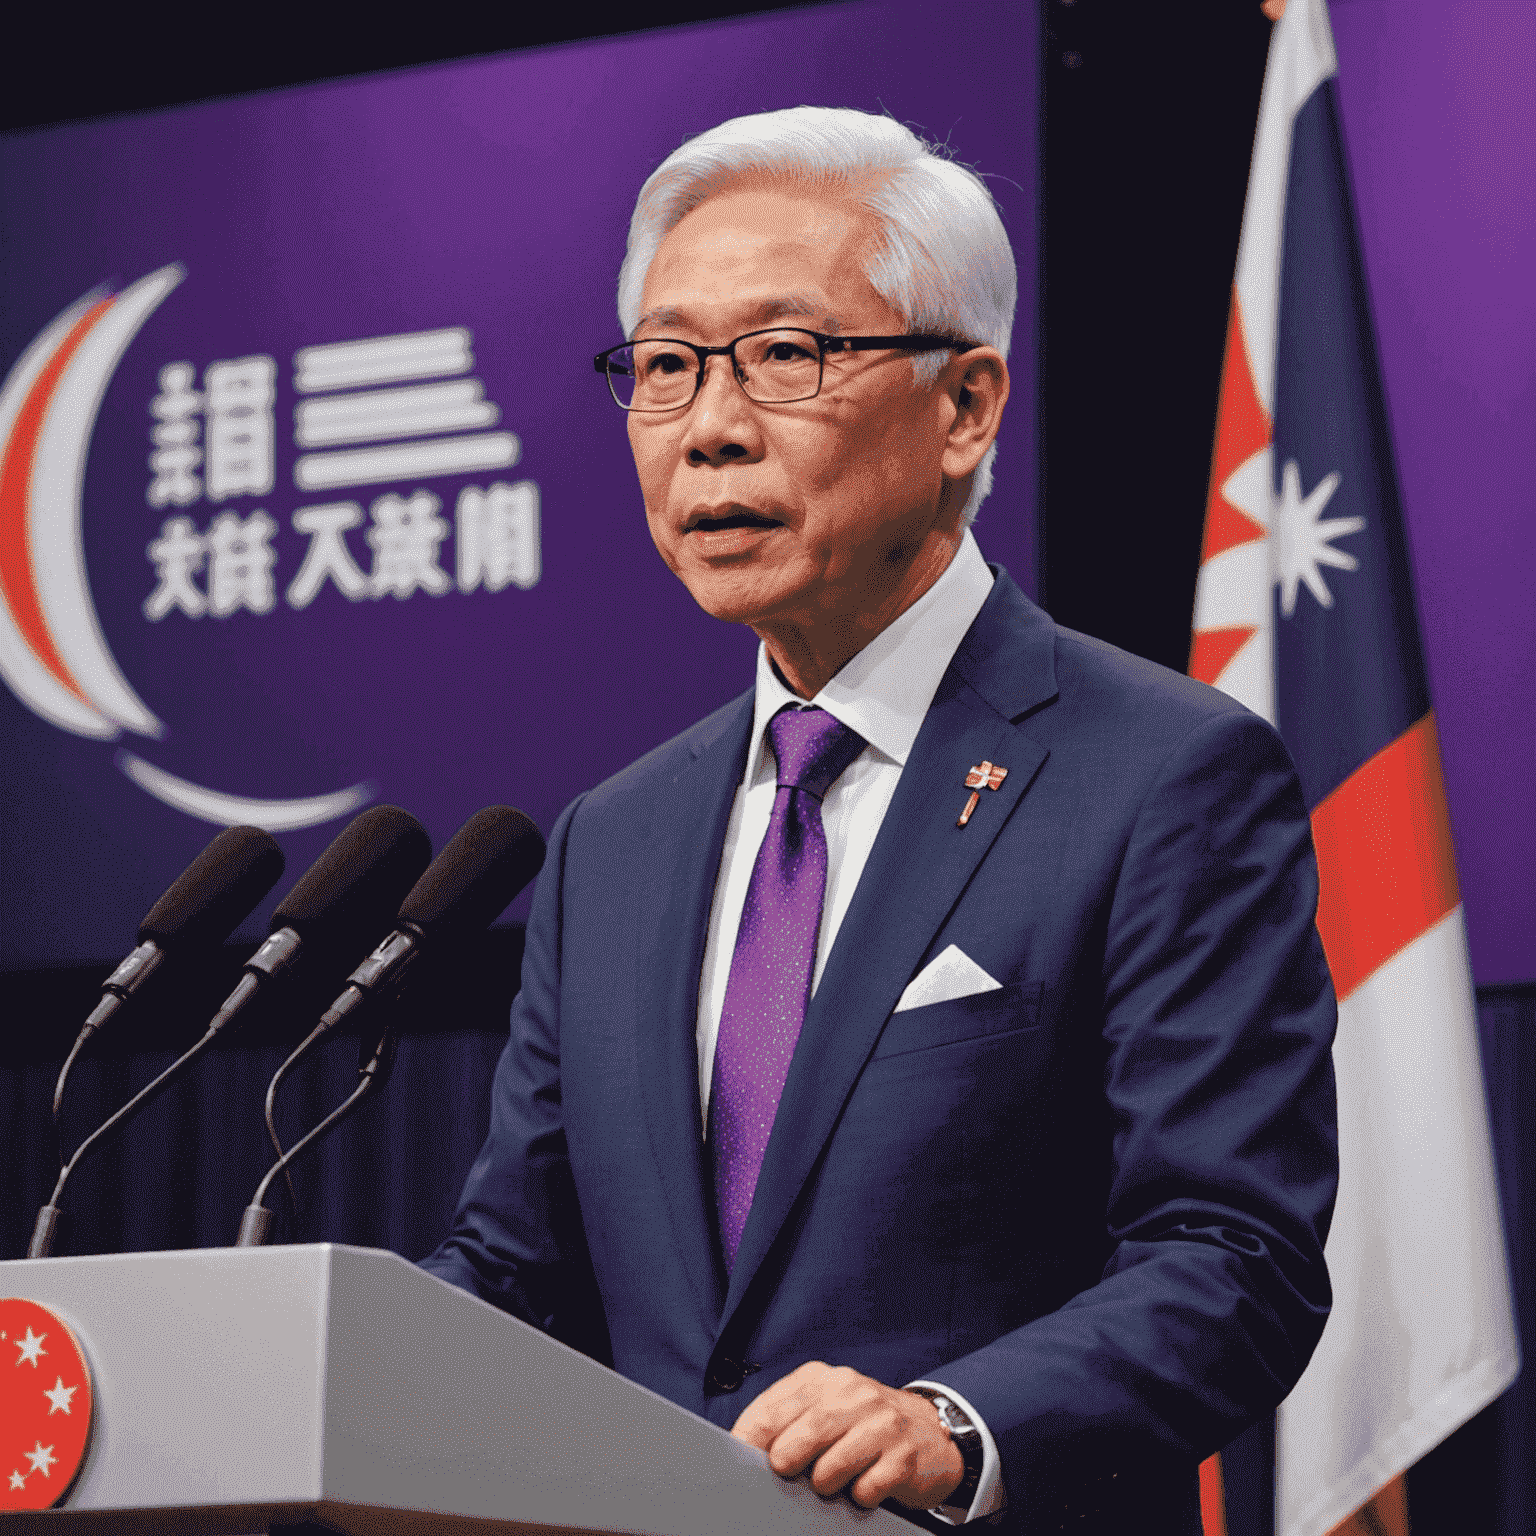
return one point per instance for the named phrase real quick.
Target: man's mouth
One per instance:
(720, 519)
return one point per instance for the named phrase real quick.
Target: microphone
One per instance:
(343, 899)
(215, 891)
(346, 893)
(484, 865)
(218, 888)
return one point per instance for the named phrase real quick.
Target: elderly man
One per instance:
(922, 1064)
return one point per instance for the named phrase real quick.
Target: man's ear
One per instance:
(977, 381)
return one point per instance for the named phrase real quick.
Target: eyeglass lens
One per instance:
(773, 367)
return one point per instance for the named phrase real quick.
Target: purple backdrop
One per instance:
(1439, 106)
(493, 196)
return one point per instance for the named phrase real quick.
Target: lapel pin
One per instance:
(987, 776)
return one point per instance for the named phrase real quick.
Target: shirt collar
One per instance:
(884, 692)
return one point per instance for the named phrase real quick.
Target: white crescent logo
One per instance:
(53, 654)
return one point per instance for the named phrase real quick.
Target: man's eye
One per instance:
(664, 363)
(788, 352)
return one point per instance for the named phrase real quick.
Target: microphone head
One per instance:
(485, 864)
(218, 888)
(348, 896)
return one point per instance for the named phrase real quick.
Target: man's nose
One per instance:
(721, 424)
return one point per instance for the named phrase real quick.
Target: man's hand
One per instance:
(855, 1433)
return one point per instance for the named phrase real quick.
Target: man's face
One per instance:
(798, 513)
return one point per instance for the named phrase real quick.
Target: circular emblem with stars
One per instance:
(45, 1406)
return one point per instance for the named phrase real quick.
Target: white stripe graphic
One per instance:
(410, 461)
(381, 413)
(239, 810)
(382, 360)
(1422, 1334)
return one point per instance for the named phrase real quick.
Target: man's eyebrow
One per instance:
(790, 305)
(664, 315)
(800, 305)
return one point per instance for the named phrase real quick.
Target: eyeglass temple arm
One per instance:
(906, 343)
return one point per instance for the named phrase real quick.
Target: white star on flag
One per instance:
(18, 1481)
(60, 1396)
(31, 1347)
(1302, 543)
(41, 1457)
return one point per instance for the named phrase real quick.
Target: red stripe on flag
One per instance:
(1384, 858)
(1212, 649)
(1213, 1509)
(1225, 526)
(1383, 1514)
(1242, 430)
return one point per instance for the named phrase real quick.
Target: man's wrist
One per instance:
(966, 1438)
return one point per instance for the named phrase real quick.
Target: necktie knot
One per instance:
(812, 749)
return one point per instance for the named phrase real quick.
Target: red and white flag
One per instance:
(1304, 611)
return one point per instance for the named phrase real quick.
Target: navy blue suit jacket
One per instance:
(1093, 1202)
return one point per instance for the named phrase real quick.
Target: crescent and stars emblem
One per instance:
(53, 654)
(46, 1406)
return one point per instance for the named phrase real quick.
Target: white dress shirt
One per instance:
(883, 693)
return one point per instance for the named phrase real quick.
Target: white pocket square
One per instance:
(947, 976)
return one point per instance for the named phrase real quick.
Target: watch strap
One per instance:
(967, 1438)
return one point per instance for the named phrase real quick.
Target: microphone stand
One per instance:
(304, 1047)
(350, 1000)
(256, 1220)
(360, 991)
(120, 987)
(81, 1041)
(311, 1040)
(48, 1215)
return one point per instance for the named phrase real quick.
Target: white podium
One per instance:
(238, 1389)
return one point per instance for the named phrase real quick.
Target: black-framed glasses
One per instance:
(773, 367)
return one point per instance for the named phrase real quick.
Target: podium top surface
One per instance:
(237, 1388)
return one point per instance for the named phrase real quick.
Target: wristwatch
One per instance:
(966, 1437)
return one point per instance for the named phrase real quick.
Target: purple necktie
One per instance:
(770, 981)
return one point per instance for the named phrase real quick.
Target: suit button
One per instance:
(725, 1375)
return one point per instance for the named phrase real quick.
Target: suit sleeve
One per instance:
(517, 1239)
(1218, 1017)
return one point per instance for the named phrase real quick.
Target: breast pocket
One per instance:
(1001, 1011)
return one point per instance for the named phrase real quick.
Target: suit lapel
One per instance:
(920, 864)
(687, 833)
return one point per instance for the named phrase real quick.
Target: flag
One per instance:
(1304, 611)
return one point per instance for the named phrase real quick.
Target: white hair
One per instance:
(942, 260)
